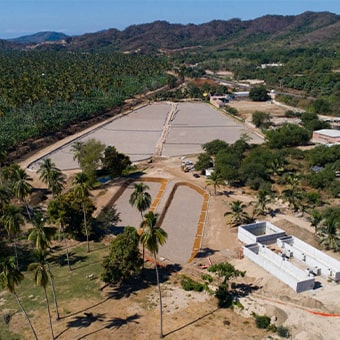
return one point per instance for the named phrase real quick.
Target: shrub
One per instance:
(207, 277)
(232, 110)
(189, 284)
(282, 331)
(262, 321)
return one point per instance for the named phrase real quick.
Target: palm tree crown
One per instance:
(140, 198)
(153, 236)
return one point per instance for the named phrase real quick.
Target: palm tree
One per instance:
(293, 197)
(330, 238)
(237, 213)
(11, 277)
(315, 219)
(57, 182)
(141, 199)
(81, 190)
(59, 216)
(21, 186)
(12, 219)
(153, 237)
(52, 176)
(216, 180)
(42, 237)
(41, 278)
(263, 198)
(77, 149)
(39, 234)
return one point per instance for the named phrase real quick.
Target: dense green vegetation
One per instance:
(43, 92)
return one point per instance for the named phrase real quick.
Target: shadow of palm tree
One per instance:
(191, 322)
(85, 320)
(204, 252)
(243, 289)
(114, 323)
(85, 309)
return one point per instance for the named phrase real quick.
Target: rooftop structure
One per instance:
(326, 136)
(291, 260)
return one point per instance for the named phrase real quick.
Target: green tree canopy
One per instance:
(124, 261)
(287, 135)
(114, 162)
(259, 94)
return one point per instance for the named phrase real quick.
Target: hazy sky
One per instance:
(72, 17)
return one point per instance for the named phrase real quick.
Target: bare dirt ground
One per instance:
(195, 316)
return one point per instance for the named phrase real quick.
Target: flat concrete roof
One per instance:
(329, 132)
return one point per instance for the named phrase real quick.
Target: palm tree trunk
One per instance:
(160, 298)
(86, 231)
(67, 254)
(53, 291)
(27, 210)
(16, 251)
(49, 313)
(65, 240)
(27, 318)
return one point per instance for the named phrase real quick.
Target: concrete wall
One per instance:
(279, 267)
(314, 259)
(262, 232)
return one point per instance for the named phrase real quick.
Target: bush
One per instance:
(282, 331)
(262, 321)
(232, 110)
(189, 284)
(207, 277)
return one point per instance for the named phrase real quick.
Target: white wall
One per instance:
(282, 269)
(312, 257)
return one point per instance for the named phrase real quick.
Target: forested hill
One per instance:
(304, 30)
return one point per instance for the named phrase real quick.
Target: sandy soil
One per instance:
(193, 316)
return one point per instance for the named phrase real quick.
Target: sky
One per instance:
(75, 17)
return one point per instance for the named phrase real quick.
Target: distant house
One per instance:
(326, 136)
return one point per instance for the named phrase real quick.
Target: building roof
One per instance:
(329, 132)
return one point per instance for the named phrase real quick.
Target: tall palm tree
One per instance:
(237, 213)
(41, 278)
(42, 237)
(81, 190)
(10, 277)
(216, 180)
(57, 206)
(153, 237)
(52, 176)
(141, 199)
(22, 187)
(39, 234)
(57, 182)
(12, 219)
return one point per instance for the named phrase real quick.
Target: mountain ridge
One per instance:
(306, 29)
